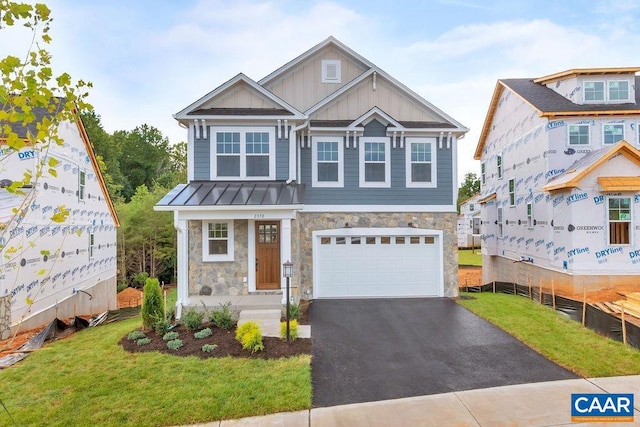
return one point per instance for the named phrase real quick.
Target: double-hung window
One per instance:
(613, 133)
(82, 179)
(92, 245)
(500, 219)
(530, 215)
(421, 162)
(375, 162)
(593, 91)
(578, 134)
(499, 164)
(327, 158)
(512, 192)
(483, 173)
(243, 153)
(618, 90)
(619, 215)
(217, 241)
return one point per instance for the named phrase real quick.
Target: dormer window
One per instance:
(618, 90)
(594, 91)
(331, 72)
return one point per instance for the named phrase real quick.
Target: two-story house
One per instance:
(327, 162)
(560, 176)
(469, 223)
(54, 267)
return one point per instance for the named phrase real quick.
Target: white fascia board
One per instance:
(380, 208)
(219, 118)
(329, 40)
(425, 130)
(336, 129)
(182, 114)
(377, 111)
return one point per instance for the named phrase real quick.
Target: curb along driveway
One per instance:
(377, 349)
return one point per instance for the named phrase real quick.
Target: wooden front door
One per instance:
(267, 255)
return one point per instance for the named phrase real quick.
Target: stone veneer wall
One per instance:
(307, 223)
(5, 317)
(224, 278)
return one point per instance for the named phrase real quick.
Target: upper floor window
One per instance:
(578, 134)
(619, 215)
(594, 91)
(421, 162)
(375, 162)
(529, 215)
(328, 162)
(482, 173)
(92, 245)
(471, 207)
(618, 90)
(244, 153)
(217, 240)
(499, 162)
(512, 192)
(613, 133)
(82, 179)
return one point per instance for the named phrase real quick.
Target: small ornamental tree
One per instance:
(153, 304)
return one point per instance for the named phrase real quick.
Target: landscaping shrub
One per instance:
(170, 336)
(293, 329)
(143, 341)
(222, 317)
(153, 304)
(294, 311)
(249, 335)
(161, 326)
(208, 348)
(136, 335)
(206, 332)
(174, 344)
(192, 319)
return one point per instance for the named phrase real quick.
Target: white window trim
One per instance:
(612, 124)
(205, 242)
(631, 221)
(243, 153)
(514, 192)
(92, 245)
(608, 95)
(500, 221)
(500, 166)
(530, 216)
(408, 162)
(327, 63)
(314, 160)
(604, 90)
(483, 173)
(82, 188)
(588, 144)
(387, 161)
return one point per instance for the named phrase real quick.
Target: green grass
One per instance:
(88, 379)
(469, 257)
(560, 339)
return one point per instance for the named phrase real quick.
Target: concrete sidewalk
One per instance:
(534, 404)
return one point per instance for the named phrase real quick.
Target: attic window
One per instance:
(331, 72)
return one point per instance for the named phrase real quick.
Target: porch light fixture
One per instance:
(287, 271)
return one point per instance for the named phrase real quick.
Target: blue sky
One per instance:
(149, 59)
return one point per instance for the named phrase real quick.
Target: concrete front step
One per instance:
(237, 303)
(269, 322)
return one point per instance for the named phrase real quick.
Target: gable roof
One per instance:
(549, 103)
(574, 72)
(577, 171)
(194, 108)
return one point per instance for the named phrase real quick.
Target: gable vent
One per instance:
(331, 71)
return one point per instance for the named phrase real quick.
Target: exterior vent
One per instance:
(331, 72)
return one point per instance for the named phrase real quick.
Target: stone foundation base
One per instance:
(499, 269)
(5, 317)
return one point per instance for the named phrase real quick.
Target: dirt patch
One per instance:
(469, 275)
(12, 343)
(130, 297)
(274, 348)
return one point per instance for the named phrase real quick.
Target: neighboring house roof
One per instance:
(190, 110)
(233, 193)
(468, 199)
(21, 130)
(488, 197)
(591, 161)
(551, 104)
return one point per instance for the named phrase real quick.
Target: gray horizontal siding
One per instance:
(398, 194)
(202, 158)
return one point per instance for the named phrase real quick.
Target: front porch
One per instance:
(238, 303)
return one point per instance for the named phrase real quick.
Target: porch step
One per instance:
(238, 302)
(269, 322)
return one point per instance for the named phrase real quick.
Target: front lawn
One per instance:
(560, 339)
(88, 379)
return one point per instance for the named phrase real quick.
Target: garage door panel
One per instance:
(377, 266)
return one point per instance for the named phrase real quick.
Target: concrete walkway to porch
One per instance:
(238, 302)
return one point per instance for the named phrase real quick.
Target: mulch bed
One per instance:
(274, 348)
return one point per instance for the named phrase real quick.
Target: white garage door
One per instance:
(368, 263)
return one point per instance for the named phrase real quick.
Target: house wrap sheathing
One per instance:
(560, 181)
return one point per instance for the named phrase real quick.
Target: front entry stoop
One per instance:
(269, 322)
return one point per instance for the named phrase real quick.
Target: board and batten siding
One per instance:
(397, 194)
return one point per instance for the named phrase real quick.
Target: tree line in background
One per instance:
(139, 167)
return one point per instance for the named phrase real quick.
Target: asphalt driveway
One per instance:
(378, 349)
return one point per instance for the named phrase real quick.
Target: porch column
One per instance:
(183, 264)
(285, 252)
